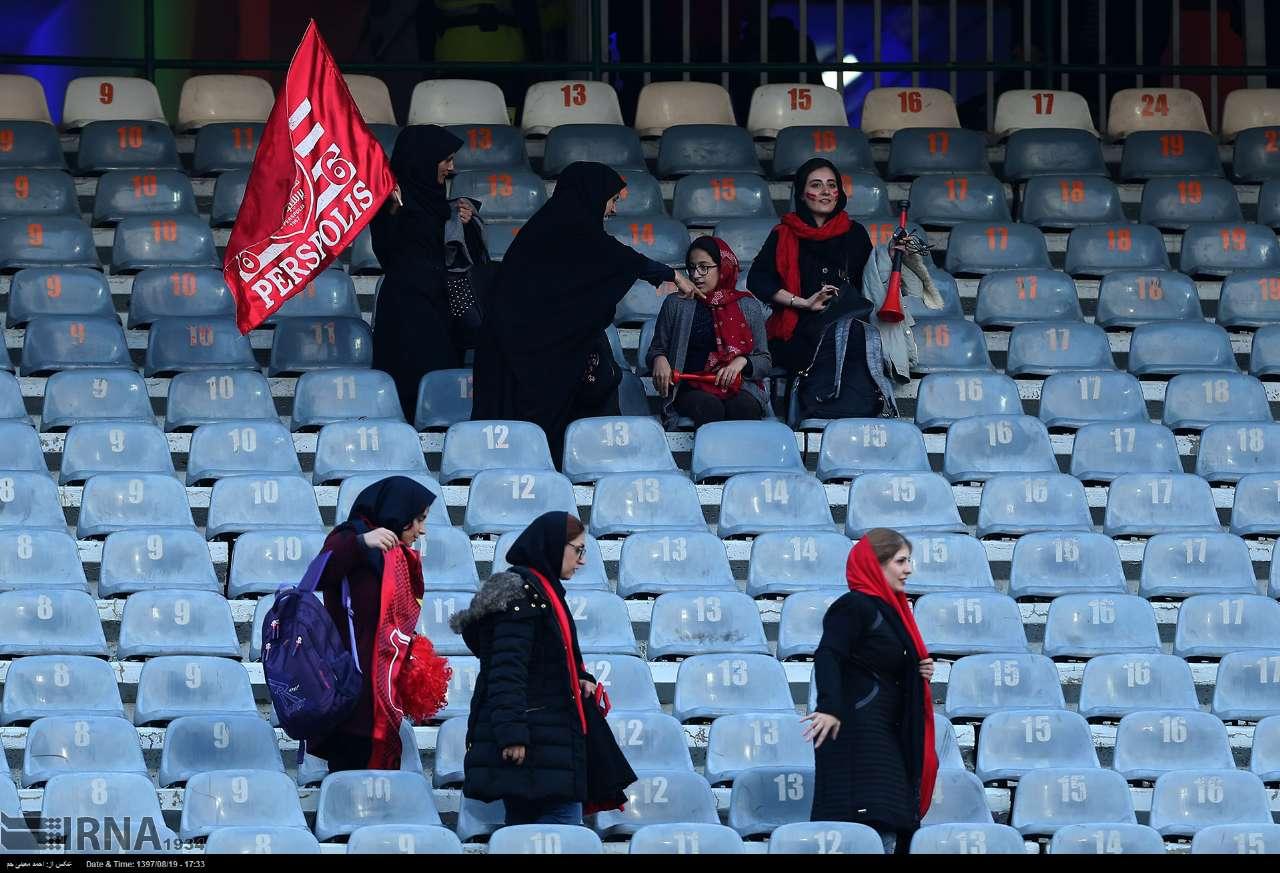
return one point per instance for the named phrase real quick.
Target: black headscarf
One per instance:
(393, 503)
(801, 180)
(419, 150)
(541, 546)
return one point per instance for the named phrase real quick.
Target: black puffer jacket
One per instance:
(523, 695)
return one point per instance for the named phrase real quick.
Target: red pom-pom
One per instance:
(423, 681)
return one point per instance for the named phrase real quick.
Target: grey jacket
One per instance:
(897, 339)
(457, 258)
(671, 338)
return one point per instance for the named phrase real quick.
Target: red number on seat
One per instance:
(106, 93)
(1027, 287)
(165, 230)
(939, 143)
(500, 185)
(724, 189)
(1273, 141)
(801, 99)
(824, 140)
(1149, 288)
(911, 101)
(958, 188)
(183, 284)
(144, 186)
(76, 331)
(325, 330)
(1190, 192)
(480, 138)
(53, 286)
(6, 140)
(642, 234)
(1155, 104)
(1172, 145)
(130, 137)
(1072, 190)
(200, 335)
(1044, 103)
(998, 237)
(35, 234)
(22, 187)
(242, 138)
(937, 335)
(1119, 240)
(575, 94)
(1234, 239)
(1270, 288)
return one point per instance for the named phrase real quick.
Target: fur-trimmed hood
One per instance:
(496, 595)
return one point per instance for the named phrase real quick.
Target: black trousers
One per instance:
(348, 752)
(704, 407)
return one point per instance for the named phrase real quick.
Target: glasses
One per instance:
(700, 269)
(580, 550)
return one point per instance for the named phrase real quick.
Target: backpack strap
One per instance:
(311, 579)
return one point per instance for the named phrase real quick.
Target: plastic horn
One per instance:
(892, 309)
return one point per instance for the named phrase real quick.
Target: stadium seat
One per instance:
(177, 623)
(1254, 510)
(60, 685)
(63, 342)
(706, 148)
(30, 145)
(784, 562)
(739, 742)
(710, 686)
(1050, 798)
(228, 194)
(137, 145)
(867, 197)
(331, 294)
(690, 838)
(978, 248)
(545, 839)
(399, 839)
(451, 749)
(1215, 249)
(947, 345)
(1245, 688)
(12, 406)
(353, 485)
(1175, 204)
(210, 396)
(1185, 801)
(111, 447)
(1152, 743)
(1014, 504)
(1013, 743)
(727, 448)
(1031, 110)
(745, 236)
(1239, 839)
(943, 399)
(982, 684)
(60, 621)
(262, 840)
(967, 839)
(326, 396)
(548, 105)
(624, 504)
(1266, 744)
(958, 797)
(947, 289)
(457, 101)
(844, 146)
(1031, 153)
(151, 560)
(509, 195)
(231, 798)
(1050, 564)
(477, 819)
(29, 500)
(1066, 202)
(591, 575)
(888, 110)
(948, 562)
(1180, 154)
(362, 261)
(52, 291)
(243, 503)
(666, 104)
(472, 446)
(502, 500)
(1148, 109)
(73, 396)
(703, 199)
(943, 200)
(920, 150)
(596, 447)
(641, 303)
(800, 625)
(1194, 401)
(223, 99)
(662, 797)
(628, 681)
(1116, 685)
(983, 446)
(970, 623)
(24, 99)
(372, 98)
(358, 798)
(46, 241)
(1086, 625)
(304, 344)
(1128, 298)
(853, 446)
(695, 623)
(1263, 360)
(176, 685)
(764, 798)
(1141, 504)
(777, 106)
(642, 196)
(659, 562)
(1228, 452)
(124, 194)
(177, 241)
(221, 148)
(1049, 347)
(40, 560)
(24, 453)
(610, 144)
(350, 448)
(1254, 156)
(662, 239)
(100, 804)
(1248, 108)
(81, 744)
(651, 741)
(1098, 250)
(1268, 205)
(1108, 838)
(1008, 298)
(489, 148)
(263, 560)
(433, 621)
(119, 501)
(755, 503)
(944, 741)
(198, 293)
(1215, 625)
(1104, 450)
(37, 192)
(602, 622)
(911, 503)
(444, 398)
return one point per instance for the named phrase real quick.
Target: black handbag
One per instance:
(601, 376)
(608, 773)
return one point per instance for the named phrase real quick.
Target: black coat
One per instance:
(867, 679)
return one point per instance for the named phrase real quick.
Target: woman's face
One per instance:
(444, 169)
(822, 192)
(410, 534)
(611, 207)
(575, 556)
(897, 569)
(703, 270)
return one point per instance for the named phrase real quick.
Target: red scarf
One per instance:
(733, 334)
(396, 623)
(562, 620)
(865, 575)
(782, 324)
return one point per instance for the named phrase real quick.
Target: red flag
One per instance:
(318, 178)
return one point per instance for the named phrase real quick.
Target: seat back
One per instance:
(1049, 347)
(693, 623)
(1111, 838)
(502, 500)
(1067, 201)
(346, 803)
(656, 237)
(709, 686)
(1085, 625)
(1193, 401)
(58, 621)
(243, 503)
(1220, 249)
(1174, 204)
(472, 446)
(177, 241)
(688, 838)
(30, 145)
(303, 344)
(1051, 798)
(73, 396)
(943, 149)
(958, 797)
(658, 562)
(325, 396)
(781, 105)
(944, 200)
(135, 145)
(457, 101)
(970, 623)
(550, 104)
(230, 448)
(1014, 504)
(221, 99)
(1022, 110)
(706, 148)
(37, 192)
(1252, 159)
(783, 562)
(1118, 684)
(117, 501)
(914, 502)
(1214, 625)
(613, 145)
(948, 562)
(24, 99)
(978, 248)
(221, 148)
(1128, 298)
(175, 345)
(93, 98)
(46, 241)
(1178, 153)
(1011, 744)
(112, 447)
(651, 741)
(982, 684)
(1105, 450)
(207, 396)
(199, 743)
(1098, 250)
(1007, 298)
(1185, 801)
(753, 503)
(504, 195)
(726, 448)
(1143, 109)
(1149, 744)
(985, 445)
(853, 446)
(176, 685)
(665, 104)
(887, 110)
(1140, 504)
(708, 198)
(943, 399)
(40, 559)
(70, 744)
(177, 293)
(844, 146)
(662, 797)
(1245, 690)
(1229, 452)
(444, 398)
(142, 560)
(737, 743)
(1048, 564)
(1053, 152)
(625, 503)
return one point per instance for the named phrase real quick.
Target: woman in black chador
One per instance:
(543, 356)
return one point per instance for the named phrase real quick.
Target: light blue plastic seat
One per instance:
(361, 260)
(263, 560)
(66, 342)
(351, 487)
(1116, 685)
(1051, 563)
(709, 686)
(1186, 801)
(967, 839)
(983, 684)
(1152, 743)
(325, 396)
(958, 797)
(689, 838)
(32, 145)
(1106, 839)
(155, 193)
(1011, 297)
(1014, 504)
(943, 399)
(177, 623)
(759, 803)
(332, 294)
(179, 344)
(23, 451)
(545, 839)
(1013, 743)
(60, 685)
(1140, 504)
(695, 623)
(12, 406)
(46, 241)
(1263, 760)
(867, 197)
(948, 290)
(304, 344)
(71, 291)
(739, 742)
(1264, 360)
(1049, 152)
(626, 503)
(1171, 348)
(1228, 452)
(657, 237)
(472, 446)
(199, 743)
(669, 797)
(96, 806)
(706, 148)
(173, 241)
(1066, 202)
(225, 146)
(261, 841)
(943, 200)
(727, 448)
(659, 562)
(1074, 399)
(176, 685)
(1245, 299)
(1246, 685)
(596, 447)
(981, 247)
(351, 448)
(1050, 347)
(509, 194)
(176, 293)
(651, 741)
(640, 304)
(591, 575)
(853, 446)
(40, 560)
(491, 147)
(233, 448)
(1239, 839)
(908, 502)
(745, 236)
(239, 798)
(945, 743)
(1097, 250)
(451, 750)
(755, 503)
(244, 503)
(846, 147)
(706, 199)
(983, 446)
(610, 144)
(800, 626)
(1215, 625)
(1253, 159)
(503, 500)
(1104, 450)
(402, 839)
(120, 501)
(784, 562)
(1175, 204)
(1130, 298)
(1194, 401)
(970, 623)
(642, 196)
(477, 819)
(444, 398)
(946, 345)
(433, 621)
(1268, 205)
(1091, 624)
(29, 500)
(126, 145)
(349, 801)
(915, 151)
(603, 623)
(628, 681)
(80, 744)
(948, 562)
(1050, 798)
(1219, 249)
(1150, 154)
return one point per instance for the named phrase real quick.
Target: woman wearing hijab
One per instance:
(543, 356)
(385, 521)
(536, 736)
(411, 335)
(872, 728)
(722, 334)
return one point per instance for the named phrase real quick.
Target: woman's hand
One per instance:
(662, 375)
(588, 687)
(687, 289)
(465, 210)
(381, 538)
(926, 669)
(821, 726)
(514, 754)
(726, 375)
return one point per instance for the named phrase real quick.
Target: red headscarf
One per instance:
(733, 334)
(866, 576)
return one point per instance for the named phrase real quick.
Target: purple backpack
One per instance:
(313, 680)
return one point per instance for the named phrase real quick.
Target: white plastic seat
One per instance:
(1013, 504)
(243, 503)
(1019, 110)
(755, 503)
(970, 623)
(40, 559)
(23, 99)
(372, 98)
(944, 398)
(60, 685)
(784, 562)
(350, 448)
(502, 500)
(1050, 798)
(1116, 685)
(110, 98)
(1087, 625)
(71, 744)
(1149, 744)
(324, 396)
(1186, 801)
(888, 110)
(948, 562)
(1195, 401)
(727, 448)
(694, 623)
(357, 798)
(156, 559)
(472, 446)
(551, 104)
(1135, 109)
(958, 797)
(457, 101)
(686, 838)
(1049, 564)
(1216, 625)
(1106, 839)
(1104, 450)
(666, 104)
(176, 685)
(852, 446)
(233, 448)
(787, 104)
(177, 623)
(658, 562)
(1178, 565)
(1248, 687)
(909, 502)
(596, 447)
(982, 684)
(60, 621)
(230, 798)
(1140, 504)
(983, 446)
(222, 98)
(1013, 743)
(739, 742)
(967, 839)
(1246, 108)
(651, 741)
(709, 686)
(197, 744)
(764, 798)
(118, 501)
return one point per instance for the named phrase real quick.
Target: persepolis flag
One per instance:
(318, 178)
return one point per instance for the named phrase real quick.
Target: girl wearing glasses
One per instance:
(723, 334)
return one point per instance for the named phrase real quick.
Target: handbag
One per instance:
(608, 773)
(465, 315)
(602, 375)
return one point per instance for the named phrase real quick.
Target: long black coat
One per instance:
(523, 696)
